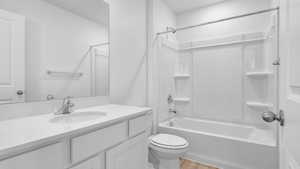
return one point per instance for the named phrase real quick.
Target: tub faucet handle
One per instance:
(170, 99)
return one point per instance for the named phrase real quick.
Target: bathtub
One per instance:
(225, 145)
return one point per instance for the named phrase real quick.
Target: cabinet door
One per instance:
(93, 163)
(50, 157)
(90, 144)
(132, 154)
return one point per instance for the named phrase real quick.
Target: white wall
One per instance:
(222, 10)
(128, 57)
(163, 17)
(217, 79)
(166, 61)
(55, 40)
(161, 60)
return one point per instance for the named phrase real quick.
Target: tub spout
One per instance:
(172, 111)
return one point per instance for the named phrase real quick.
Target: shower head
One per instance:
(173, 30)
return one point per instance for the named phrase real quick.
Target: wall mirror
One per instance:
(51, 49)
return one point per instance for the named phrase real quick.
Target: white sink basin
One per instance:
(78, 117)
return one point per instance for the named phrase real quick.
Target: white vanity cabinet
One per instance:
(49, 157)
(120, 145)
(132, 154)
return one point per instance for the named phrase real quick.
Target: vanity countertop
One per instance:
(21, 134)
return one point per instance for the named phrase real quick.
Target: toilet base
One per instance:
(169, 164)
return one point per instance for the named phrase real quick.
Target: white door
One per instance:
(133, 154)
(12, 55)
(289, 135)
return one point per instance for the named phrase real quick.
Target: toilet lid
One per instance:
(169, 141)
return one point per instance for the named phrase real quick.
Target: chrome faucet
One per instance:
(172, 110)
(170, 99)
(171, 104)
(66, 107)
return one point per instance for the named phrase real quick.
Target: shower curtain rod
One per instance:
(100, 44)
(220, 20)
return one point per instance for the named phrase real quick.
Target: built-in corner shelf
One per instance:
(183, 75)
(182, 99)
(259, 105)
(259, 74)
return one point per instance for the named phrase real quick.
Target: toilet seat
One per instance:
(165, 150)
(169, 141)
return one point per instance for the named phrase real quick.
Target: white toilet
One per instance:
(165, 150)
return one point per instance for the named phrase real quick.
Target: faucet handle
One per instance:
(170, 99)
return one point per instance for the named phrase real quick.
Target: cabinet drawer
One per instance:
(138, 125)
(95, 142)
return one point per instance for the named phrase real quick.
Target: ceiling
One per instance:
(179, 6)
(95, 10)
